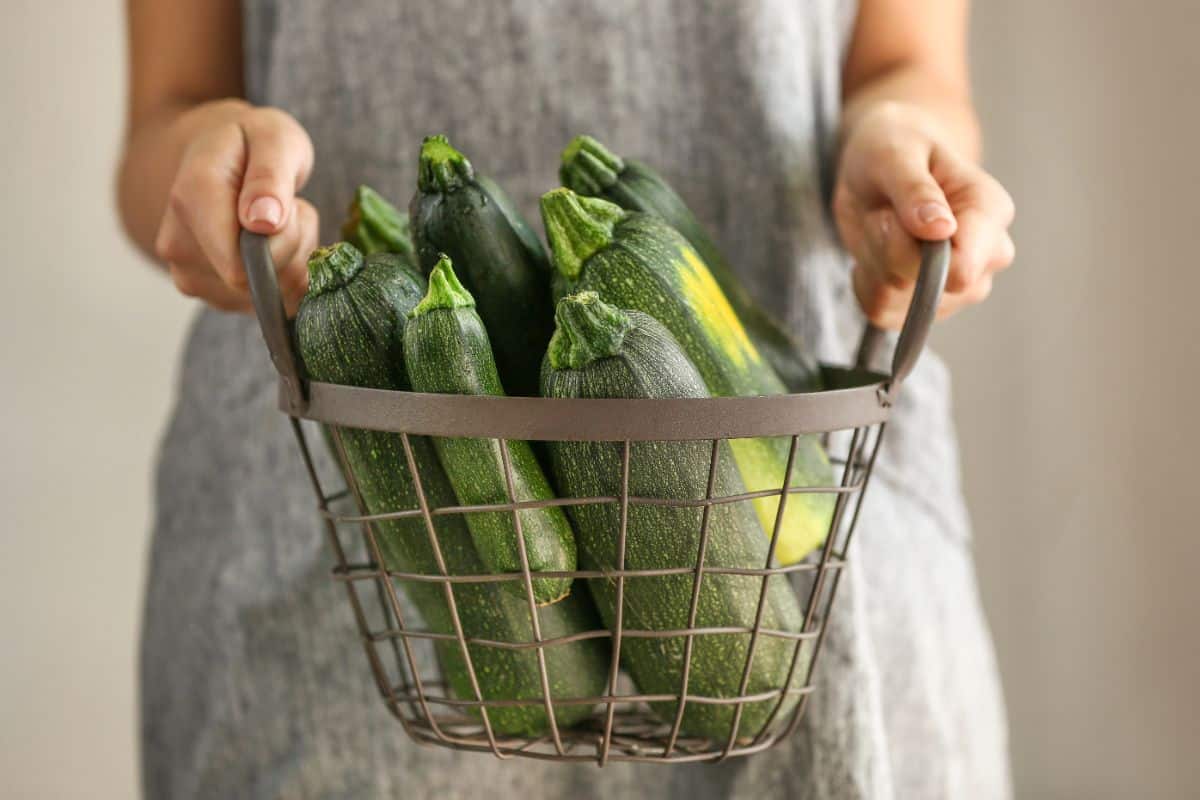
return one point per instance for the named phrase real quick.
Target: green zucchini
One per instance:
(374, 225)
(601, 351)
(638, 261)
(350, 330)
(497, 255)
(590, 168)
(446, 351)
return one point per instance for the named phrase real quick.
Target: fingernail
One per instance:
(932, 212)
(266, 209)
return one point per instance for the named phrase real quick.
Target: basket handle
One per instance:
(927, 295)
(272, 318)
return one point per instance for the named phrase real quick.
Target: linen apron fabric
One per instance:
(254, 683)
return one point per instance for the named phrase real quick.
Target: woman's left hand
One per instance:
(897, 184)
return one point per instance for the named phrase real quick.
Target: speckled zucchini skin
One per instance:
(638, 261)
(446, 351)
(589, 168)
(648, 363)
(498, 258)
(350, 330)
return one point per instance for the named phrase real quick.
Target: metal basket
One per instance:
(849, 416)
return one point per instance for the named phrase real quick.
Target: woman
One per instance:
(811, 136)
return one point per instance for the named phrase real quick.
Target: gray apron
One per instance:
(253, 681)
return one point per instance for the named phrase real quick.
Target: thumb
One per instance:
(279, 158)
(920, 204)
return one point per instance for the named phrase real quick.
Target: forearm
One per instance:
(154, 147)
(920, 97)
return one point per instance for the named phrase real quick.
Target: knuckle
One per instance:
(1008, 252)
(235, 277)
(980, 291)
(920, 188)
(197, 181)
(185, 281)
(272, 116)
(309, 217)
(165, 247)
(260, 174)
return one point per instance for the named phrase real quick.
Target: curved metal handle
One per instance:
(927, 295)
(272, 318)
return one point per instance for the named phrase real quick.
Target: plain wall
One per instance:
(1073, 389)
(89, 335)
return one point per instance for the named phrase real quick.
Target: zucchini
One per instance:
(497, 255)
(638, 261)
(590, 168)
(446, 351)
(601, 351)
(374, 225)
(350, 330)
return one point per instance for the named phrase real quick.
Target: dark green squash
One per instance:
(638, 261)
(600, 351)
(350, 330)
(446, 351)
(497, 255)
(589, 168)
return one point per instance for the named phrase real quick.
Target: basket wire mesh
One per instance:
(850, 420)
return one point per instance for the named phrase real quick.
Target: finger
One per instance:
(174, 242)
(898, 253)
(204, 197)
(979, 247)
(1004, 254)
(202, 283)
(292, 262)
(279, 159)
(985, 211)
(884, 304)
(953, 303)
(903, 174)
(848, 215)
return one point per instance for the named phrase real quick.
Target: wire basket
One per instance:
(849, 416)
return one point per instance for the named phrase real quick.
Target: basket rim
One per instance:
(859, 398)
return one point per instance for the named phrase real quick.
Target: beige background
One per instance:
(1074, 391)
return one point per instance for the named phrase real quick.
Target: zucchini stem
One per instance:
(589, 167)
(445, 290)
(588, 330)
(333, 267)
(374, 225)
(577, 227)
(442, 168)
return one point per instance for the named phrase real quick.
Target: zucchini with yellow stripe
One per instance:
(637, 261)
(590, 168)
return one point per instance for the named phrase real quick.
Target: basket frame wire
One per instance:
(826, 552)
(384, 586)
(622, 726)
(619, 624)
(694, 604)
(527, 581)
(762, 597)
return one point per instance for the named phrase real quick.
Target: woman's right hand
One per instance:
(241, 168)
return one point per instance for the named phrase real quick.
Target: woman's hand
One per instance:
(897, 184)
(241, 166)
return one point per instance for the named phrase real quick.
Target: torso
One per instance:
(253, 681)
